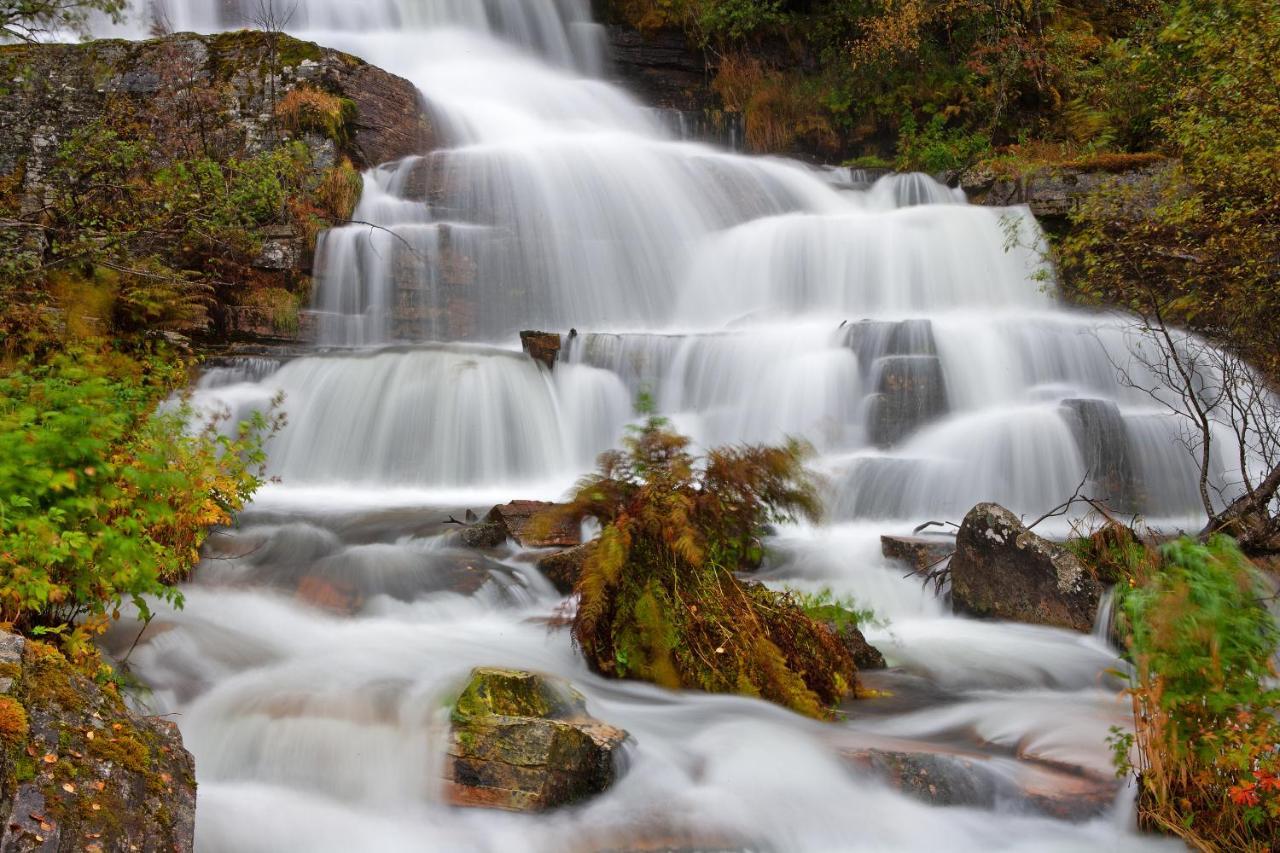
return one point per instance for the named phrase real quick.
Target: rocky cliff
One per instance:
(223, 97)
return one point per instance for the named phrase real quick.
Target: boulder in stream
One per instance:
(522, 741)
(1002, 570)
(78, 770)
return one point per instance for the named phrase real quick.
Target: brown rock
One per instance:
(541, 346)
(94, 770)
(328, 594)
(865, 655)
(921, 552)
(520, 522)
(1002, 570)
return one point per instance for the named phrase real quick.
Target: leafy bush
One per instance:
(1207, 741)
(938, 148)
(659, 600)
(104, 498)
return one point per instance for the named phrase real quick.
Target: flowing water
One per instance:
(913, 339)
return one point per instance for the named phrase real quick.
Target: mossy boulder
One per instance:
(78, 770)
(1002, 570)
(522, 741)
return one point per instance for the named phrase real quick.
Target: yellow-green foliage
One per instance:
(339, 191)
(659, 599)
(13, 723)
(1204, 255)
(280, 307)
(309, 110)
(106, 499)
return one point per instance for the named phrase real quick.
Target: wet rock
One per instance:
(1001, 570)
(1103, 439)
(78, 771)
(522, 741)
(865, 655)
(231, 85)
(541, 346)
(922, 553)
(564, 567)
(520, 522)
(330, 594)
(910, 392)
(936, 778)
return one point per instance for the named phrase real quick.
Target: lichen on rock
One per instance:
(78, 770)
(1002, 570)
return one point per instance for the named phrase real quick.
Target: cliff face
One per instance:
(221, 97)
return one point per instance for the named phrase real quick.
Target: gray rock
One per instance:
(1056, 192)
(1002, 570)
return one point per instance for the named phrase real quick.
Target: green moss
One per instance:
(124, 750)
(513, 693)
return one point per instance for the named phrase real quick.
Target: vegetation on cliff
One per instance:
(658, 597)
(1207, 256)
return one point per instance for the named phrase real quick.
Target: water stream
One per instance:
(893, 326)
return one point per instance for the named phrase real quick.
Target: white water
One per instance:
(754, 299)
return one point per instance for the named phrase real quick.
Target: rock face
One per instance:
(518, 521)
(523, 742)
(1054, 193)
(237, 83)
(662, 68)
(542, 347)
(1001, 570)
(79, 771)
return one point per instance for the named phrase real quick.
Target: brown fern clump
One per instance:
(659, 600)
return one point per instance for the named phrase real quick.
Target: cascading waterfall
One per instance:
(902, 332)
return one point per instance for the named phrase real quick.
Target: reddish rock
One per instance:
(328, 594)
(920, 552)
(542, 346)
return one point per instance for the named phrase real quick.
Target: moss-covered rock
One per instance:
(78, 770)
(187, 98)
(522, 741)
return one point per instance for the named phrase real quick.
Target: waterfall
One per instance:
(901, 331)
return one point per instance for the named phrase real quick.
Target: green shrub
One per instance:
(104, 499)
(1207, 742)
